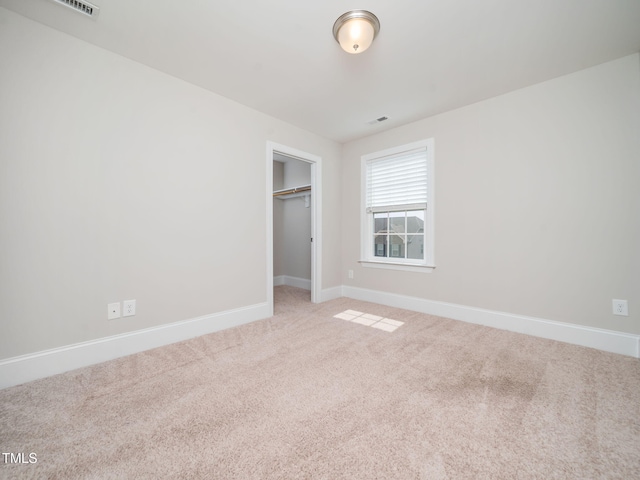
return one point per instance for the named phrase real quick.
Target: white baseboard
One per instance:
(606, 340)
(331, 294)
(25, 368)
(292, 282)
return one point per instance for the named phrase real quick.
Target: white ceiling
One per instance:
(279, 56)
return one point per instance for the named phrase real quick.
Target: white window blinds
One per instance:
(397, 180)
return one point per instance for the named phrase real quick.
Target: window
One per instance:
(397, 212)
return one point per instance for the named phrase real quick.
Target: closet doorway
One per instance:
(294, 243)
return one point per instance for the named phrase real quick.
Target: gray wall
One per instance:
(297, 223)
(537, 201)
(120, 182)
(133, 184)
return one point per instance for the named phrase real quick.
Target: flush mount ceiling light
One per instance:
(355, 30)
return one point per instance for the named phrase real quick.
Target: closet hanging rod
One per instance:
(305, 188)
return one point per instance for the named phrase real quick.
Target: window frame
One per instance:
(367, 253)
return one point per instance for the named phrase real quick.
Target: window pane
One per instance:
(415, 221)
(380, 245)
(396, 222)
(415, 247)
(396, 246)
(380, 222)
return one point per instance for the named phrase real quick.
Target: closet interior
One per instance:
(292, 197)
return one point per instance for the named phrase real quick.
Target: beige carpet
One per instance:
(307, 395)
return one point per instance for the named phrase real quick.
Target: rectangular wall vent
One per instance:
(377, 120)
(83, 7)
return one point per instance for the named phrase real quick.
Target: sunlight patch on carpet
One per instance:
(369, 320)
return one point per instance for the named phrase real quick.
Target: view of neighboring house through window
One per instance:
(397, 226)
(399, 234)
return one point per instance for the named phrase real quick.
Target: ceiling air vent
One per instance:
(377, 120)
(85, 8)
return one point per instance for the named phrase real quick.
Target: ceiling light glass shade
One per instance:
(355, 30)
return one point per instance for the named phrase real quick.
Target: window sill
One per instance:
(408, 267)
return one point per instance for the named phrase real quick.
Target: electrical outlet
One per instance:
(113, 310)
(620, 307)
(128, 308)
(350, 272)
